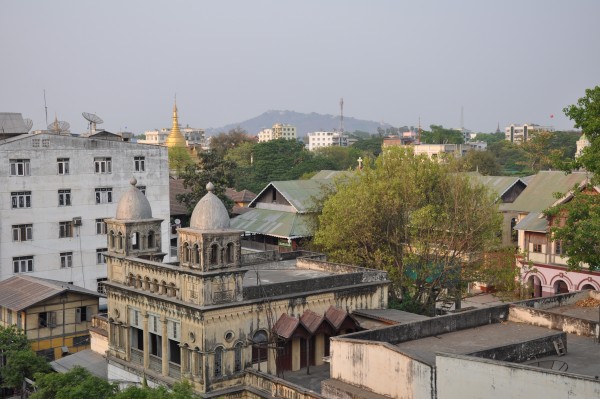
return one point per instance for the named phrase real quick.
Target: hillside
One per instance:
(304, 123)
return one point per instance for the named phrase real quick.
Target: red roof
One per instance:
(285, 326)
(311, 320)
(336, 316)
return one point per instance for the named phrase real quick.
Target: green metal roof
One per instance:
(332, 174)
(498, 184)
(301, 194)
(274, 223)
(535, 221)
(539, 194)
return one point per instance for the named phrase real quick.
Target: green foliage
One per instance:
(491, 138)
(179, 159)
(586, 113)
(339, 158)
(223, 142)
(500, 270)
(22, 364)
(180, 390)
(440, 135)
(577, 224)
(371, 146)
(482, 161)
(76, 384)
(210, 168)
(538, 152)
(12, 339)
(510, 156)
(242, 155)
(414, 218)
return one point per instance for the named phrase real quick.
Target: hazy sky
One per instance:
(509, 61)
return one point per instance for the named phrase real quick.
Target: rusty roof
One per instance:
(240, 196)
(21, 292)
(336, 316)
(311, 320)
(175, 188)
(285, 326)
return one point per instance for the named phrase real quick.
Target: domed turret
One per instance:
(210, 213)
(133, 205)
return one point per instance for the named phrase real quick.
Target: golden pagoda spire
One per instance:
(175, 138)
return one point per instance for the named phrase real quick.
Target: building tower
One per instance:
(175, 138)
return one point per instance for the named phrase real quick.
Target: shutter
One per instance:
(78, 315)
(530, 247)
(88, 313)
(134, 317)
(51, 319)
(543, 248)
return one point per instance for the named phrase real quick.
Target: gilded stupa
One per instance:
(175, 138)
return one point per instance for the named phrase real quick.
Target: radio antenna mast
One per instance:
(342, 115)
(45, 107)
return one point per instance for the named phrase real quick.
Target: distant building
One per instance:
(436, 150)
(55, 316)
(520, 133)
(326, 139)
(278, 131)
(582, 143)
(56, 191)
(176, 135)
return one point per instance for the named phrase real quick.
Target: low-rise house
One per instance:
(55, 316)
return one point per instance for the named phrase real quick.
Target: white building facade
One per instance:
(326, 139)
(56, 191)
(278, 131)
(520, 133)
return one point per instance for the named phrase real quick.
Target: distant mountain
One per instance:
(304, 123)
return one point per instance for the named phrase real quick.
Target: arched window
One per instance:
(259, 347)
(195, 260)
(218, 364)
(151, 240)
(154, 286)
(111, 239)
(163, 287)
(146, 283)
(185, 252)
(135, 240)
(172, 290)
(138, 281)
(214, 254)
(237, 366)
(131, 280)
(230, 252)
(119, 241)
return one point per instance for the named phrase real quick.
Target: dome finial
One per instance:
(133, 181)
(210, 187)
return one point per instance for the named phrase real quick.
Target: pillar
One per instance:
(319, 349)
(296, 354)
(165, 346)
(146, 341)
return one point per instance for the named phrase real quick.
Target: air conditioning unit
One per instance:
(77, 221)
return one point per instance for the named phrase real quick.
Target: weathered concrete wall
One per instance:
(368, 275)
(492, 379)
(555, 300)
(434, 326)
(302, 286)
(381, 368)
(524, 351)
(561, 322)
(259, 257)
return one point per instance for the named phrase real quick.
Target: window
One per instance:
(139, 164)
(142, 189)
(66, 259)
(83, 340)
(101, 287)
(22, 232)
(23, 264)
(47, 319)
(219, 361)
(83, 313)
(237, 367)
(63, 166)
(104, 195)
(537, 248)
(65, 229)
(100, 260)
(103, 165)
(558, 247)
(21, 199)
(64, 197)
(100, 226)
(19, 167)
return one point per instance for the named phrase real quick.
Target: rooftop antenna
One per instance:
(462, 119)
(419, 130)
(342, 115)
(93, 121)
(28, 124)
(45, 107)
(59, 127)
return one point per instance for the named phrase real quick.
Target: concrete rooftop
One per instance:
(279, 272)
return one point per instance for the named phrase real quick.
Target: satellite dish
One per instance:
(28, 123)
(93, 120)
(59, 127)
(177, 221)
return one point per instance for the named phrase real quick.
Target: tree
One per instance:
(586, 113)
(413, 217)
(212, 168)
(538, 151)
(180, 390)
(339, 158)
(74, 384)
(22, 364)
(509, 156)
(11, 340)
(223, 142)
(371, 145)
(179, 159)
(482, 161)
(440, 135)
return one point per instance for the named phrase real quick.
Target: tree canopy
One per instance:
(441, 135)
(413, 217)
(223, 142)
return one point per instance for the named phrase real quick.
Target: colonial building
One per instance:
(56, 191)
(55, 316)
(218, 311)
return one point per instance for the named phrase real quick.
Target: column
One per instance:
(146, 341)
(165, 346)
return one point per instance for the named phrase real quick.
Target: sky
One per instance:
(392, 61)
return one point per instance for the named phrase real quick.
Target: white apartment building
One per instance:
(56, 191)
(193, 136)
(278, 131)
(326, 139)
(520, 133)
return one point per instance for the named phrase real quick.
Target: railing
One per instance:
(259, 246)
(174, 370)
(173, 252)
(137, 356)
(278, 388)
(156, 364)
(100, 321)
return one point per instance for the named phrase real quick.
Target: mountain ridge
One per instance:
(304, 123)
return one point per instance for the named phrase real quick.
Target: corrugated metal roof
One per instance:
(274, 223)
(12, 123)
(332, 174)
(498, 184)
(535, 221)
(539, 194)
(336, 316)
(311, 320)
(286, 325)
(301, 194)
(21, 292)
